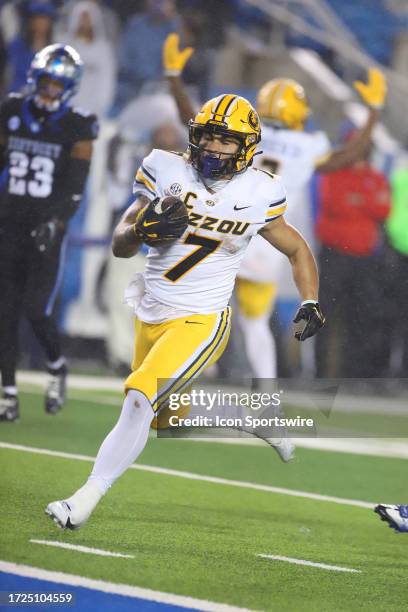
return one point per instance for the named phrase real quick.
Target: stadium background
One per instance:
(195, 516)
(239, 45)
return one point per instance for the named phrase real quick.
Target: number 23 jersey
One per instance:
(196, 273)
(37, 151)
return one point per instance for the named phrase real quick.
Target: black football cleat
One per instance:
(9, 408)
(55, 394)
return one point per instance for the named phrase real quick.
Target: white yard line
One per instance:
(332, 568)
(396, 406)
(83, 549)
(118, 589)
(373, 447)
(200, 477)
(75, 381)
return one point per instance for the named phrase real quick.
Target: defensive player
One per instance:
(45, 152)
(395, 516)
(183, 319)
(293, 154)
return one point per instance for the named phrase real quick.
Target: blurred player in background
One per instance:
(395, 516)
(46, 149)
(197, 212)
(294, 155)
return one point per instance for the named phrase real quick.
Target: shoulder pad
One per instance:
(85, 125)
(81, 111)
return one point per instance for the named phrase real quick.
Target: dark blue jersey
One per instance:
(37, 148)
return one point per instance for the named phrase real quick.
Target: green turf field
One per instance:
(201, 539)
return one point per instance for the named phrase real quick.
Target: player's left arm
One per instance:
(373, 94)
(289, 241)
(85, 127)
(68, 199)
(77, 172)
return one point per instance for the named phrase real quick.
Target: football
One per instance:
(168, 217)
(164, 204)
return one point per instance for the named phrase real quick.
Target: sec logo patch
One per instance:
(175, 189)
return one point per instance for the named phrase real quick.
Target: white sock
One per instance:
(10, 390)
(83, 502)
(259, 345)
(124, 443)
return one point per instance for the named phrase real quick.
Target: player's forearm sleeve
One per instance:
(73, 188)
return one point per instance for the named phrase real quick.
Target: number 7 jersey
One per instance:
(36, 156)
(196, 273)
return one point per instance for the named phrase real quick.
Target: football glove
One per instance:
(311, 313)
(374, 91)
(174, 60)
(44, 235)
(157, 224)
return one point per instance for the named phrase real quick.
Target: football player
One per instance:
(395, 516)
(293, 154)
(45, 152)
(183, 318)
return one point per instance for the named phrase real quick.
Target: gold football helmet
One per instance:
(283, 102)
(228, 115)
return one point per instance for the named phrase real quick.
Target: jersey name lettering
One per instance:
(213, 224)
(34, 147)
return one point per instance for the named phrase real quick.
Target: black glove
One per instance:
(44, 235)
(311, 313)
(162, 220)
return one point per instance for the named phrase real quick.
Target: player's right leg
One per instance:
(168, 357)
(12, 279)
(43, 283)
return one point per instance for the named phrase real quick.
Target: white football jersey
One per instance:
(196, 273)
(292, 155)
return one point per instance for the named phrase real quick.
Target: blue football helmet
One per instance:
(62, 64)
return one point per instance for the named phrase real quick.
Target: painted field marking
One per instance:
(118, 589)
(332, 568)
(370, 446)
(191, 476)
(83, 549)
(373, 447)
(343, 402)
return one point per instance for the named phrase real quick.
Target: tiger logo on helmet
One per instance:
(228, 115)
(283, 102)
